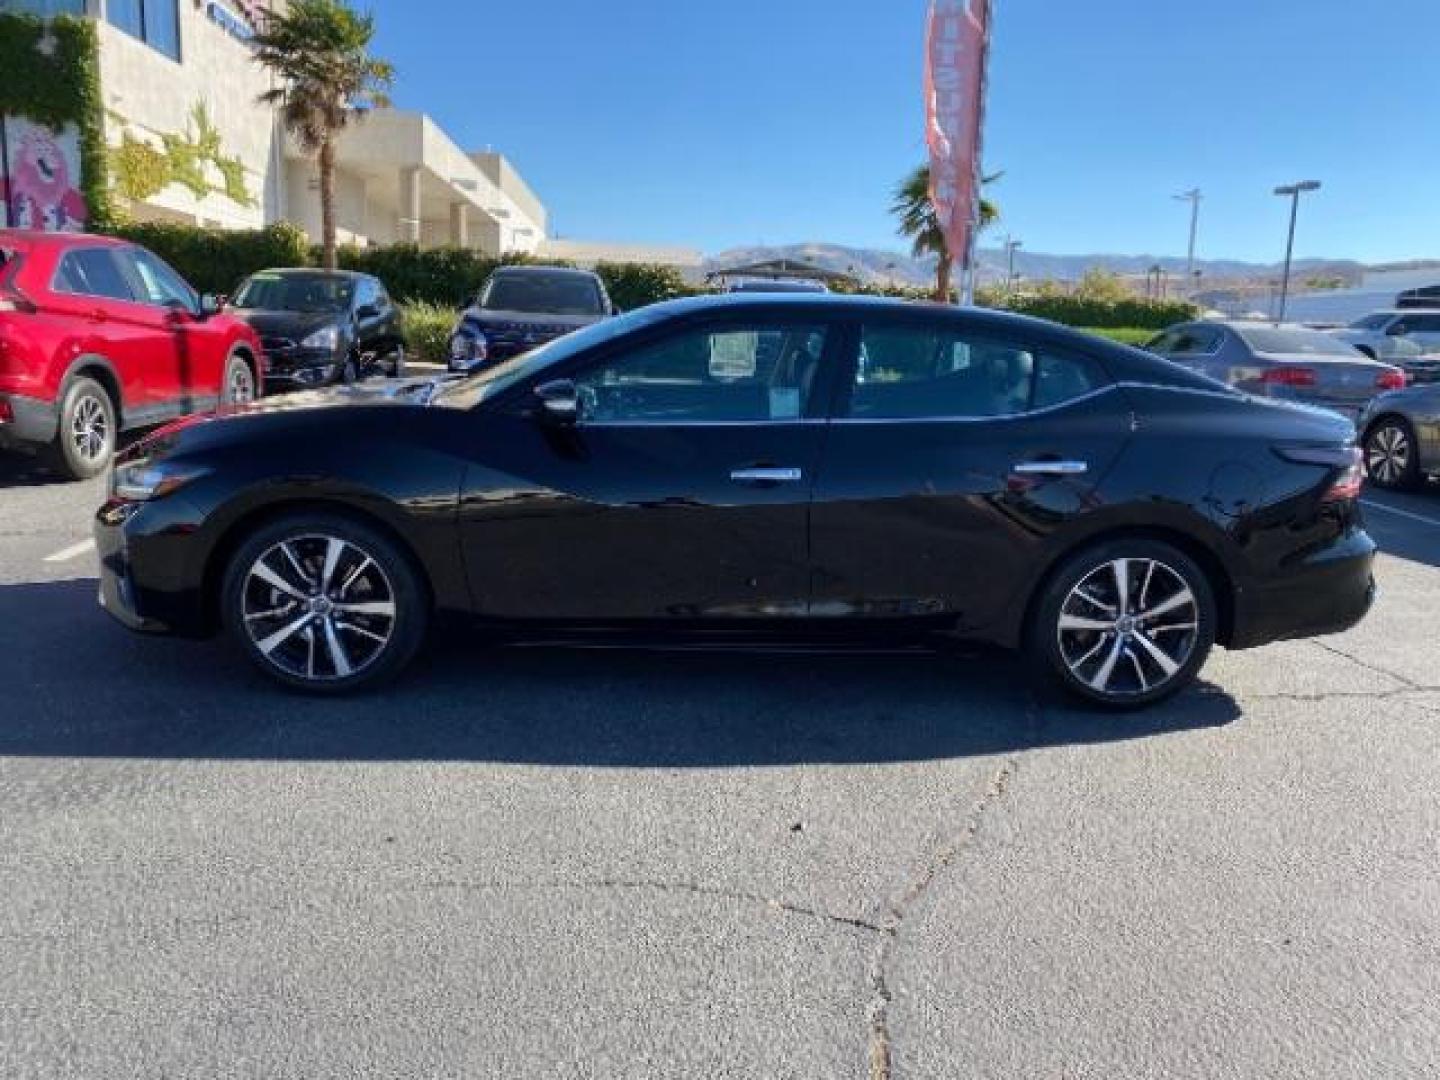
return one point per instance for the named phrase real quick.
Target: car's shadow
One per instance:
(77, 685)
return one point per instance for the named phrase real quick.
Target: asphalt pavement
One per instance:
(548, 863)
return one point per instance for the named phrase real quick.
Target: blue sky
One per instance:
(722, 124)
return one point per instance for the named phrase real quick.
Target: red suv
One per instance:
(98, 336)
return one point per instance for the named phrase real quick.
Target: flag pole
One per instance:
(969, 271)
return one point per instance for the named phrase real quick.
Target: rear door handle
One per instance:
(1052, 468)
(766, 475)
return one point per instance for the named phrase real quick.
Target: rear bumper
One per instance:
(35, 421)
(1324, 592)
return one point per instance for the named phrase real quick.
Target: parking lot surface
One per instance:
(549, 863)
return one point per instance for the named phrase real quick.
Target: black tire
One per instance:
(239, 386)
(1075, 659)
(294, 640)
(85, 440)
(1392, 454)
(395, 367)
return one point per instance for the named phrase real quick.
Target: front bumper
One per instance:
(1326, 591)
(145, 582)
(35, 422)
(300, 371)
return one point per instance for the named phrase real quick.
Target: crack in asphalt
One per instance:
(688, 888)
(1368, 666)
(899, 906)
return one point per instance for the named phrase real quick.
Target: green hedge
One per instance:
(427, 330)
(215, 261)
(635, 285)
(1126, 335)
(448, 276)
(1077, 311)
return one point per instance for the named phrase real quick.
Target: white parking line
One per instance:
(74, 551)
(1400, 513)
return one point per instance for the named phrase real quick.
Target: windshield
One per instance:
(468, 392)
(1279, 341)
(542, 294)
(294, 292)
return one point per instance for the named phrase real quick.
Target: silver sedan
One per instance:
(1287, 362)
(1400, 433)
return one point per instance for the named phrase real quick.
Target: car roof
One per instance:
(522, 268)
(36, 238)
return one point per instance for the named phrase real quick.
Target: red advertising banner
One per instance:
(956, 46)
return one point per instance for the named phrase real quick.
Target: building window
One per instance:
(155, 22)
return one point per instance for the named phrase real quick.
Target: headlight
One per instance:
(325, 338)
(468, 348)
(144, 480)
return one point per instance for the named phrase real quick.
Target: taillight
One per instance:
(1288, 376)
(1391, 380)
(1346, 487)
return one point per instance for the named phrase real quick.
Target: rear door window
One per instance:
(159, 284)
(913, 373)
(92, 272)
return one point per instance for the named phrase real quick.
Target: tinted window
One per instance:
(92, 272)
(294, 292)
(911, 374)
(736, 373)
(367, 293)
(1422, 324)
(158, 283)
(1378, 321)
(1187, 341)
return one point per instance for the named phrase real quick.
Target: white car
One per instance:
(1393, 335)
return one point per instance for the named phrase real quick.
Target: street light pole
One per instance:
(1293, 193)
(1011, 246)
(1193, 197)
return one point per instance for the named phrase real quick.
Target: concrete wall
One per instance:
(148, 94)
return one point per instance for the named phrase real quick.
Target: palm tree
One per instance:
(918, 221)
(319, 52)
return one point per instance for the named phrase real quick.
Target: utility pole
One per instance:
(1293, 193)
(1193, 197)
(1011, 246)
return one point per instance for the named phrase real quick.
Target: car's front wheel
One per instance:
(324, 603)
(1392, 458)
(240, 386)
(1125, 623)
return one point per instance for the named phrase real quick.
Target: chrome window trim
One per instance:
(1027, 414)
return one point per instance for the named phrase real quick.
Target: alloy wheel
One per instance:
(90, 429)
(242, 385)
(1128, 627)
(318, 608)
(1388, 453)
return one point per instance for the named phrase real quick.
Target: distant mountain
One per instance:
(874, 266)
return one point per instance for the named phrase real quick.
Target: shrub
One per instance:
(427, 330)
(1109, 314)
(634, 285)
(449, 276)
(216, 261)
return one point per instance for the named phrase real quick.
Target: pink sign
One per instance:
(954, 114)
(40, 183)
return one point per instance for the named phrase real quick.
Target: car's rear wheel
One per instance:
(1392, 456)
(324, 603)
(1125, 623)
(86, 436)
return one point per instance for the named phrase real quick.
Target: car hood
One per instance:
(296, 325)
(526, 320)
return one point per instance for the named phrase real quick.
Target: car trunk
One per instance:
(1334, 383)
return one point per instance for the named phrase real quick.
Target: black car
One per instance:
(761, 468)
(320, 327)
(521, 307)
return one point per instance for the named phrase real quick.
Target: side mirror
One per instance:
(210, 304)
(559, 401)
(366, 311)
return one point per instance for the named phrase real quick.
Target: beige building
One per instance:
(189, 142)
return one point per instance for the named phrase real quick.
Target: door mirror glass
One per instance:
(366, 311)
(210, 304)
(559, 401)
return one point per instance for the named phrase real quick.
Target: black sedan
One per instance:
(321, 326)
(758, 468)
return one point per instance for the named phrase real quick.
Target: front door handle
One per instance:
(1052, 468)
(767, 475)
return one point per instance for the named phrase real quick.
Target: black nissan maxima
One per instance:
(751, 469)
